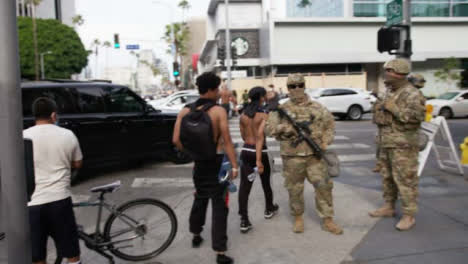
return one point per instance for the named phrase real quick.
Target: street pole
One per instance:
(12, 173)
(42, 67)
(228, 46)
(406, 38)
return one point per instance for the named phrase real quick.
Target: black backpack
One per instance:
(196, 133)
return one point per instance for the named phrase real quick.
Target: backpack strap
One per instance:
(207, 106)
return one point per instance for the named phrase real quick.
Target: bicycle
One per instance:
(124, 230)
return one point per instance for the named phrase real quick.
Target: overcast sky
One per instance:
(136, 21)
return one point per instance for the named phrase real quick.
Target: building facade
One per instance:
(62, 10)
(338, 36)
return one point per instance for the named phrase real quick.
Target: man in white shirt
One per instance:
(56, 151)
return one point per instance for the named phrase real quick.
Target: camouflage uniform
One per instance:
(298, 161)
(399, 118)
(417, 80)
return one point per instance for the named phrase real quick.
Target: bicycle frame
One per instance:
(94, 239)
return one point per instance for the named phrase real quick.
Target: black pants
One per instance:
(226, 107)
(248, 159)
(205, 177)
(57, 220)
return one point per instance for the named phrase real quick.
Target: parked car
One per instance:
(342, 102)
(113, 124)
(176, 103)
(160, 101)
(450, 104)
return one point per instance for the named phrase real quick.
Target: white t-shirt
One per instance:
(54, 150)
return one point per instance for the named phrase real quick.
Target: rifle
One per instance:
(303, 131)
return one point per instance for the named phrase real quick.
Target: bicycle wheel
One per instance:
(142, 230)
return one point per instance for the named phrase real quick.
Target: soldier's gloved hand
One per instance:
(390, 106)
(286, 131)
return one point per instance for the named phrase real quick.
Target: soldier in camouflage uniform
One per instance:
(299, 162)
(399, 118)
(417, 80)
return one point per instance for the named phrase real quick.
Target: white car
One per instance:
(176, 103)
(450, 104)
(161, 101)
(342, 102)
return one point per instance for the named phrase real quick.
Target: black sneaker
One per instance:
(197, 241)
(223, 259)
(245, 226)
(270, 213)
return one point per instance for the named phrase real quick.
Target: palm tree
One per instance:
(33, 4)
(78, 20)
(304, 3)
(95, 44)
(106, 45)
(185, 6)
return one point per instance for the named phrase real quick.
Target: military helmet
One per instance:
(400, 66)
(417, 79)
(296, 78)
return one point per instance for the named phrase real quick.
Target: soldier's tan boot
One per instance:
(298, 224)
(387, 210)
(406, 223)
(330, 226)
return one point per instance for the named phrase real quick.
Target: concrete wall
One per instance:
(47, 10)
(324, 41)
(241, 16)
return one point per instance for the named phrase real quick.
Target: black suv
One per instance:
(112, 123)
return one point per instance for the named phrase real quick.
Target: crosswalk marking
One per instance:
(332, 147)
(166, 182)
(342, 158)
(238, 135)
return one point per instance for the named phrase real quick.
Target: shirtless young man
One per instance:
(252, 117)
(205, 172)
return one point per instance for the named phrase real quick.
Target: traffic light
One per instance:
(388, 39)
(234, 56)
(116, 41)
(221, 55)
(175, 69)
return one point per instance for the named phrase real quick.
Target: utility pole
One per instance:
(228, 46)
(12, 171)
(42, 63)
(406, 43)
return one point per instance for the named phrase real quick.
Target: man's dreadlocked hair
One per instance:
(254, 94)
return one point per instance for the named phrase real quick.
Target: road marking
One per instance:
(240, 141)
(161, 182)
(342, 158)
(341, 138)
(333, 146)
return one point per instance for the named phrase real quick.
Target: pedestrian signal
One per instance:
(388, 39)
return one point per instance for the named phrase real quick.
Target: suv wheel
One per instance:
(179, 157)
(446, 112)
(355, 112)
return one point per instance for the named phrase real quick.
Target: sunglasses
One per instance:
(294, 86)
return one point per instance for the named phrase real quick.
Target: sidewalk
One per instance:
(440, 236)
(272, 241)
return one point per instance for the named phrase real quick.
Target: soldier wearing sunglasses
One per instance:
(299, 161)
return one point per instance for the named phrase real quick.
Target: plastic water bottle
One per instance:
(251, 177)
(223, 175)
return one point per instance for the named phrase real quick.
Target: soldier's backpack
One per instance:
(196, 133)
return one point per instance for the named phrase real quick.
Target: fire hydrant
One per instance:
(429, 109)
(464, 150)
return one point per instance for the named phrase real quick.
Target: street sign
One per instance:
(234, 74)
(395, 12)
(133, 47)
